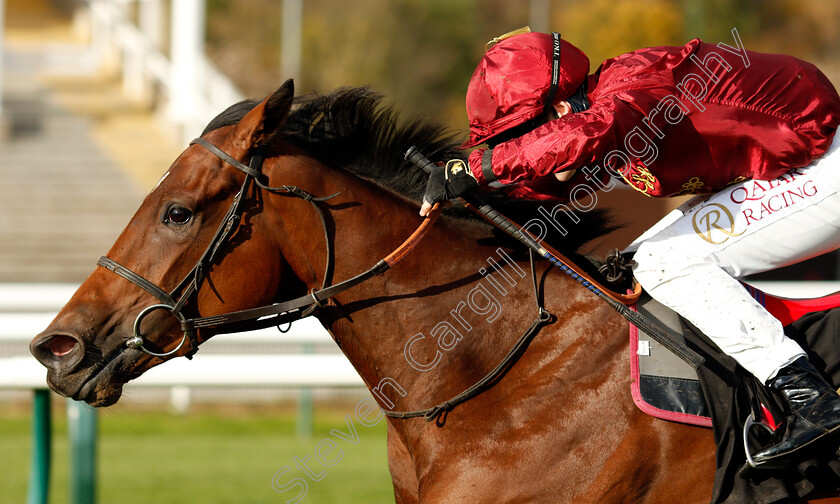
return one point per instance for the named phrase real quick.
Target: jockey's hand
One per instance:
(446, 183)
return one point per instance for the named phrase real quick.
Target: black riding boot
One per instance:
(814, 415)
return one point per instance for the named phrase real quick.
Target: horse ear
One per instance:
(266, 119)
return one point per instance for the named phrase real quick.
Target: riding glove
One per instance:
(449, 182)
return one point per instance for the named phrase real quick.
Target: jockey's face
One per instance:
(562, 108)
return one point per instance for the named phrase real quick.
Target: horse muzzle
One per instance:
(77, 371)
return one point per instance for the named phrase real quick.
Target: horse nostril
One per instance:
(57, 351)
(62, 345)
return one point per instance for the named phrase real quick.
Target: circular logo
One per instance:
(713, 220)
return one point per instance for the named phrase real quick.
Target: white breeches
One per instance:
(690, 261)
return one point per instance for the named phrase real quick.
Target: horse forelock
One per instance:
(352, 130)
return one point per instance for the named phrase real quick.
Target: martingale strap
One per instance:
(543, 317)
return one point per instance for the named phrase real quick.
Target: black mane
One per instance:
(350, 129)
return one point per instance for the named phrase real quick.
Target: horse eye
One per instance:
(178, 215)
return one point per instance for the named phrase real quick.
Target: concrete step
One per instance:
(79, 159)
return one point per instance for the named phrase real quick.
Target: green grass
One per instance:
(213, 456)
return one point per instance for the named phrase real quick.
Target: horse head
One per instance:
(166, 243)
(236, 223)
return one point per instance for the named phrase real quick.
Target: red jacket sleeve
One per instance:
(572, 141)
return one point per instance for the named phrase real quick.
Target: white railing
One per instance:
(180, 81)
(27, 309)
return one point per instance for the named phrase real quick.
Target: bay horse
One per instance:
(559, 426)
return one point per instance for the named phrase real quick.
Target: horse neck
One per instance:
(436, 322)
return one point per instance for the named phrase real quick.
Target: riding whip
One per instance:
(500, 221)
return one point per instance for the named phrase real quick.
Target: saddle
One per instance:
(722, 395)
(666, 387)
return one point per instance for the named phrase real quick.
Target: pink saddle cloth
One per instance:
(666, 387)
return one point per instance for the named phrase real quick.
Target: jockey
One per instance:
(668, 121)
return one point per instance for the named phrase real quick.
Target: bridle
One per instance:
(254, 318)
(288, 311)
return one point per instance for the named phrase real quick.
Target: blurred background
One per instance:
(98, 97)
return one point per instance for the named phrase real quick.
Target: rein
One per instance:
(295, 309)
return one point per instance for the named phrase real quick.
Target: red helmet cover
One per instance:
(511, 82)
